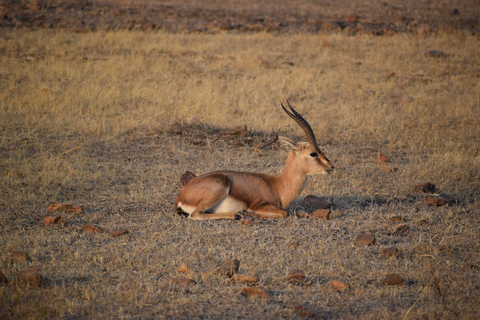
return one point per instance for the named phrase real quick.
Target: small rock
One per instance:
(301, 214)
(365, 240)
(28, 276)
(393, 279)
(390, 252)
(423, 222)
(381, 158)
(186, 177)
(322, 214)
(181, 281)
(182, 268)
(436, 54)
(292, 245)
(425, 187)
(435, 200)
(340, 285)
(118, 232)
(396, 219)
(387, 168)
(227, 268)
(316, 202)
(3, 279)
(389, 76)
(307, 311)
(51, 220)
(19, 257)
(295, 276)
(244, 278)
(68, 208)
(401, 227)
(93, 229)
(256, 292)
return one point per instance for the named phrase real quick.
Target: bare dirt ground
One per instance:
(108, 121)
(379, 17)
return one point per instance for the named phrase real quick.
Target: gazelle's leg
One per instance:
(270, 212)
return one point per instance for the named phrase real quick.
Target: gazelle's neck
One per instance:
(290, 182)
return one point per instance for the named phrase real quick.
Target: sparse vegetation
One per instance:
(109, 120)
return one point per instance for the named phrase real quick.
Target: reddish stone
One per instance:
(435, 200)
(301, 214)
(256, 292)
(393, 279)
(182, 268)
(93, 229)
(381, 158)
(322, 214)
(295, 276)
(423, 222)
(19, 257)
(340, 285)
(51, 220)
(390, 253)
(365, 240)
(29, 276)
(118, 232)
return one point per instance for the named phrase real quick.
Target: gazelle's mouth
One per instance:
(328, 171)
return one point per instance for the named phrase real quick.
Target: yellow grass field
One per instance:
(110, 120)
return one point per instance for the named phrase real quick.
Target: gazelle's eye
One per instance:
(313, 155)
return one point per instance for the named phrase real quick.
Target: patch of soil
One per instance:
(352, 16)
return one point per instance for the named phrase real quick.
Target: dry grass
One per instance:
(95, 120)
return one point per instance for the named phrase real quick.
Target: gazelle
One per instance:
(227, 194)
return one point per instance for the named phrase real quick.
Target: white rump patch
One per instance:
(188, 209)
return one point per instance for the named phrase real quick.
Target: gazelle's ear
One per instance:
(288, 143)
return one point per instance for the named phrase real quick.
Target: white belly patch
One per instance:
(229, 204)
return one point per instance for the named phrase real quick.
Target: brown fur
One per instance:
(267, 196)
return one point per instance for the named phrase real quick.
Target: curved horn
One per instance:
(302, 122)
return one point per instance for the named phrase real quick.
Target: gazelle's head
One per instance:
(307, 154)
